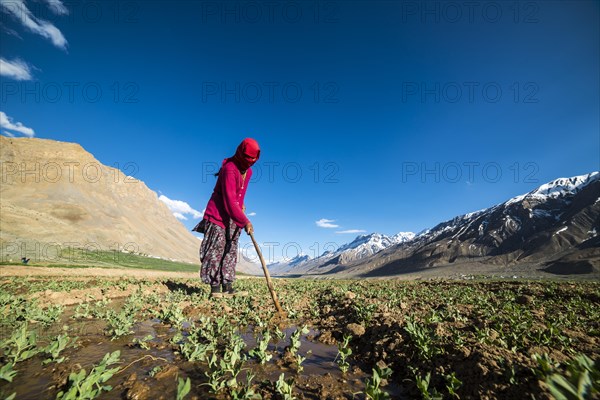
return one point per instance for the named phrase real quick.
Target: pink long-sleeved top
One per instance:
(228, 197)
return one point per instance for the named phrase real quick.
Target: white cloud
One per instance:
(326, 223)
(15, 69)
(57, 7)
(8, 134)
(6, 123)
(180, 208)
(352, 231)
(180, 216)
(43, 28)
(252, 214)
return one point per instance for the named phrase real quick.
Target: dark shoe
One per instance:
(229, 291)
(215, 292)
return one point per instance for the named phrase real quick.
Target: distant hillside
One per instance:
(56, 197)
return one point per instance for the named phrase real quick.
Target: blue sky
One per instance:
(374, 116)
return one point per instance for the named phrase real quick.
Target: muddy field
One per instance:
(154, 338)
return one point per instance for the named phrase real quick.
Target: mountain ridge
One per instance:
(548, 226)
(362, 246)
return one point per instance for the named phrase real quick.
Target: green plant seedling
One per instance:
(55, 347)
(582, 380)
(260, 351)
(545, 365)
(183, 388)
(285, 388)
(21, 345)
(452, 384)
(373, 389)
(295, 340)
(7, 373)
(299, 360)
(82, 386)
(143, 342)
(344, 351)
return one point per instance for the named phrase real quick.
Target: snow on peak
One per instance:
(299, 259)
(370, 240)
(402, 237)
(365, 245)
(558, 187)
(566, 185)
(554, 189)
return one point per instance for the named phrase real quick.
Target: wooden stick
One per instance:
(267, 275)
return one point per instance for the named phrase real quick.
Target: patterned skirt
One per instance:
(218, 254)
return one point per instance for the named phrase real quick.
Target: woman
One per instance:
(225, 218)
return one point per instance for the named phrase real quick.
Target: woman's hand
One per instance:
(249, 228)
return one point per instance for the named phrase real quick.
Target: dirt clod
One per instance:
(169, 372)
(524, 299)
(356, 329)
(138, 391)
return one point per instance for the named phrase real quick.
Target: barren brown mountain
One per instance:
(56, 195)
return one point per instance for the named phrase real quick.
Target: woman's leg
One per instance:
(211, 254)
(230, 257)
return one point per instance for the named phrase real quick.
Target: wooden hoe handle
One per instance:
(267, 275)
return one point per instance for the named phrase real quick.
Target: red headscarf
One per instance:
(247, 154)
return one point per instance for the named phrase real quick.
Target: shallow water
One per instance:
(37, 381)
(319, 361)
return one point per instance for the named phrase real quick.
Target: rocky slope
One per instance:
(56, 195)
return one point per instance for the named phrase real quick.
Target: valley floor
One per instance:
(144, 338)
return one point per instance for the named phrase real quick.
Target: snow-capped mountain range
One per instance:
(367, 245)
(518, 217)
(560, 187)
(554, 227)
(361, 247)
(284, 266)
